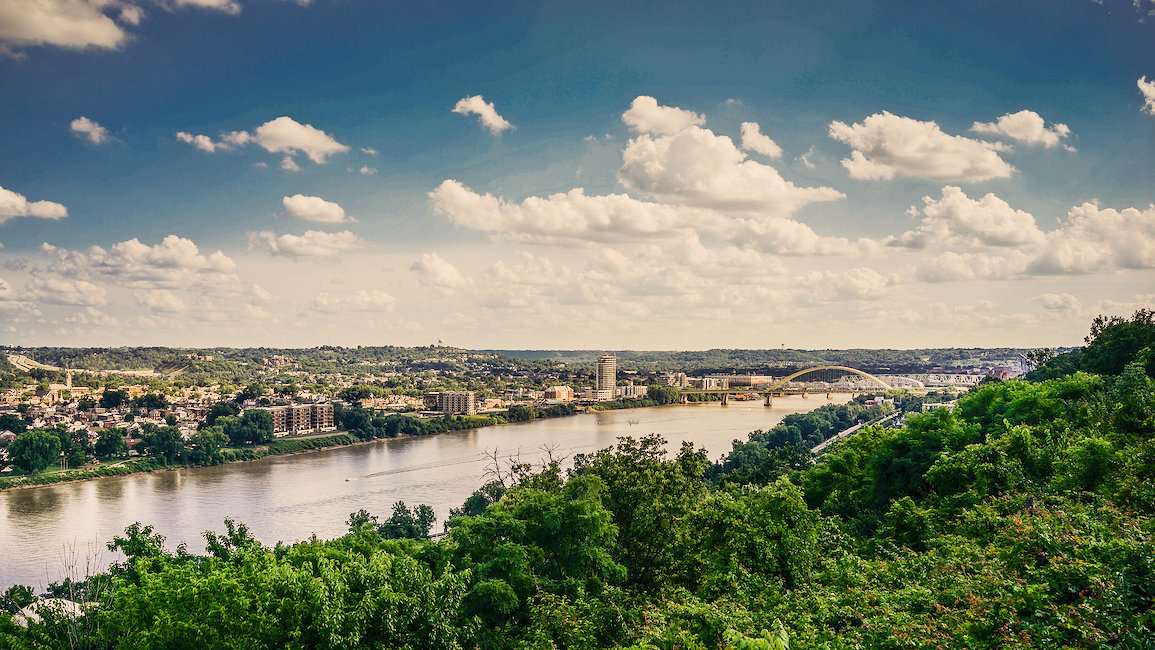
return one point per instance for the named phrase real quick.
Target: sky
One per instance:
(606, 175)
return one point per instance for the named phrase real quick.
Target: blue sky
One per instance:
(663, 175)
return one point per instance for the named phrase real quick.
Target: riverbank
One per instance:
(413, 427)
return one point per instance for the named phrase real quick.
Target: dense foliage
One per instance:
(1021, 518)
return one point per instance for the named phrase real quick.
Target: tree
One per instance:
(151, 401)
(111, 443)
(113, 398)
(220, 410)
(165, 442)
(257, 426)
(408, 524)
(13, 423)
(206, 446)
(32, 451)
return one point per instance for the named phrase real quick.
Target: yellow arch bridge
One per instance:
(779, 388)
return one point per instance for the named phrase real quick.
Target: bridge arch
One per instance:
(782, 382)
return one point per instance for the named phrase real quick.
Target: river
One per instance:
(49, 532)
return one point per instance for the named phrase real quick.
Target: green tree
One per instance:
(34, 450)
(406, 523)
(165, 442)
(13, 423)
(111, 399)
(111, 443)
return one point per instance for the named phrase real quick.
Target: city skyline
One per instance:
(881, 174)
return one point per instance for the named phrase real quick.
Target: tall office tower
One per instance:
(607, 376)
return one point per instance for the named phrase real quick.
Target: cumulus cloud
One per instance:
(789, 237)
(159, 300)
(754, 140)
(1147, 89)
(367, 170)
(369, 150)
(313, 244)
(571, 216)
(227, 6)
(485, 112)
(1026, 127)
(956, 221)
(373, 300)
(949, 266)
(174, 262)
(72, 24)
(1056, 301)
(286, 135)
(885, 145)
(66, 291)
(698, 168)
(90, 130)
(13, 205)
(437, 273)
(283, 135)
(313, 208)
(646, 116)
(202, 142)
(1094, 239)
(859, 283)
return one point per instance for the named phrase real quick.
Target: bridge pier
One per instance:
(769, 400)
(685, 399)
(724, 396)
(827, 395)
(804, 394)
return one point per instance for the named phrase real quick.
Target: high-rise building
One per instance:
(607, 376)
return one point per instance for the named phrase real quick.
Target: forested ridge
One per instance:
(1021, 518)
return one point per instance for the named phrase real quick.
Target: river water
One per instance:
(49, 532)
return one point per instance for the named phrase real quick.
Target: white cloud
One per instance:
(290, 165)
(949, 266)
(72, 24)
(572, 216)
(160, 300)
(789, 237)
(362, 300)
(885, 145)
(1026, 127)
(282, 135)
(313, 244)
(286, 135)
(698, 168)
(646, 116)
(485, 112)
(437, 273)
(1094, 239)
(13, 205)
(313, 208)
(1056, 301)
(955, 221)
(806, 158)
(66, 291)
(1147, 88)
(202, 142)
(227, 6)
(91, 131)
(859, 283)
(369, 150)
(367, 170)
(754, 140)
(174, 262)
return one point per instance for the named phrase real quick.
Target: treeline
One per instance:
(364, 424)
(1022, 518)
(721, 360)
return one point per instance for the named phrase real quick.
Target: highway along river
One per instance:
(47, 533)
